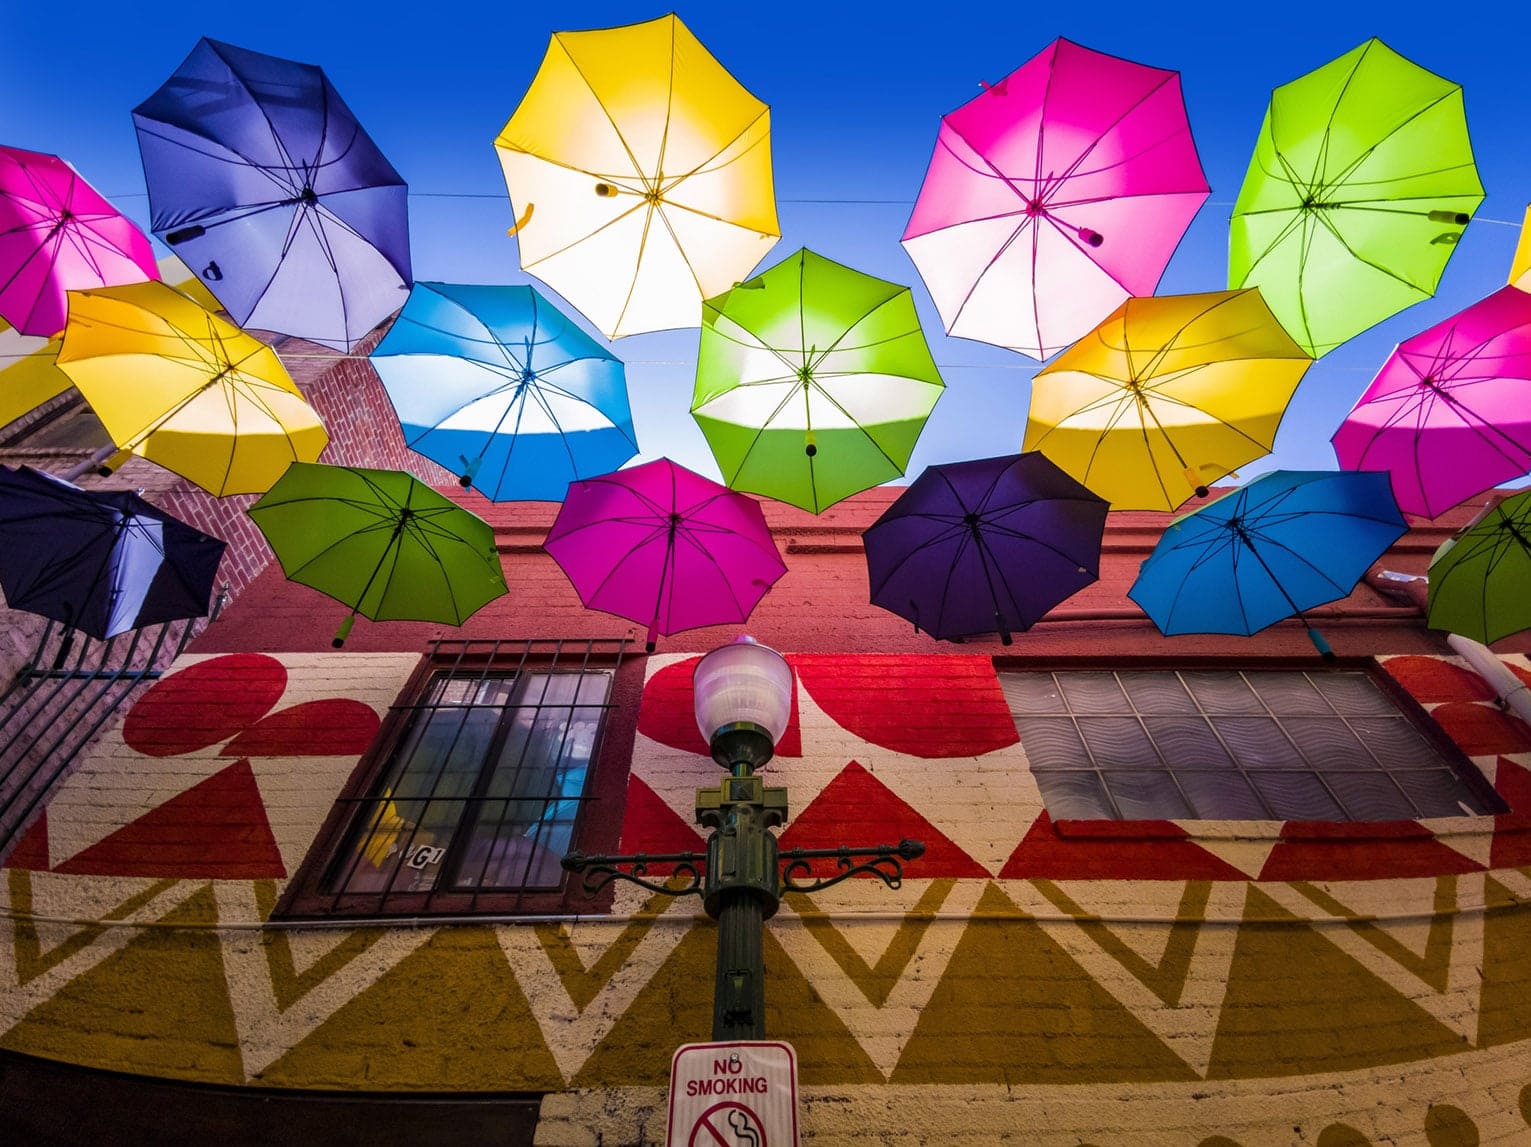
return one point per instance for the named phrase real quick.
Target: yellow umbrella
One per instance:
(640, 172)
(1167, 394)
(179, 386)
(29, 375)
(1520, 265)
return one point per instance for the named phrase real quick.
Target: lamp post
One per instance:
(743, 700)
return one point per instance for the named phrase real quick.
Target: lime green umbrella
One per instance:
(1480, 580)
(1360, 185)
(813, 381)
(381, 542)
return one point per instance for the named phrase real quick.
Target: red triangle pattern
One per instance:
(858, 810)
(338, 727)
(1113, 850)
(650, 825)
(216, 829)
(1482, 730)
(31, 851)
(1512, 830)
(1429, 680)
(1380, 850)
(668, 713)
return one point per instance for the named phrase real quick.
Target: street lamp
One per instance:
(743, 701)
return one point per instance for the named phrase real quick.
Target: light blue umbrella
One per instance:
(500, 387)
(1288, 541)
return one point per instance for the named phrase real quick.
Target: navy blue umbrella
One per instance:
(985, 546)
(264, 184)
(102, 562)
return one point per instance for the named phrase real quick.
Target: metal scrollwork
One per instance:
(599, 871)
(885, 863)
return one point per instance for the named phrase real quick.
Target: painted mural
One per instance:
(1024, 973)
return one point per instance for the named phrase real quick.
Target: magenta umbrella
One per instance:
(1054, 196)
(1449, 413)
(664, 547)
(58, 234)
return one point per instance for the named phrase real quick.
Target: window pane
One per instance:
(1075, 796)
(1222, 693)
(1354, 694)
(1296, 796)
(1370, 796)
(1258, 742)
(1119, 741)
(1221, 796)
(1142, 795)
(1395, 742)
(1438, 791)
(1094, 693)
(1328, 743)
(1052, 743)
(1187, 742)
(1285, 693)
(1157, 693)
(1032, 693)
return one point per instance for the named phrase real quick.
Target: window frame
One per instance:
(1458, 761)
(597, 829)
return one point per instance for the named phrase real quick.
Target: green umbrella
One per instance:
(1480, 580)
(813, 381)
(1359, 188)
(381, 542)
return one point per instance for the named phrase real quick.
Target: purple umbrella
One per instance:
(662, 546)
(1449, 413)
(993, 544)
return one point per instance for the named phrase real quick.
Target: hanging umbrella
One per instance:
(102, 562)
(381, 542)
(58, 234)
(1166, 394)
(499, 386)
(1520, 263)
(1288, 541)
(183, 388)
(813, 381)
(1480, 580)
(640, 171)
(1053, 196)
(261, 179)
(1360, 185)
(1449, 413)
(993, 544)
(664, 547)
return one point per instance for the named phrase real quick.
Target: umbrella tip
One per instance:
(465, 480)
(648, 647)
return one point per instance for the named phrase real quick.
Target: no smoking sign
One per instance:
(733, 1095)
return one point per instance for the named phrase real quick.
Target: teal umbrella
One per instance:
(381, 542)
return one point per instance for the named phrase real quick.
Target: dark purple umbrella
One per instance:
(985, 546)
(264, 184)
(102, 562)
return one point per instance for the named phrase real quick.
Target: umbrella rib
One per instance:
(612, 222)
(702, 167)
(909, 555)
(616, 130)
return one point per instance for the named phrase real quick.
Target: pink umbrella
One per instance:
(1449, 413)
(662, 546)
(57, 234)
(1054, 196)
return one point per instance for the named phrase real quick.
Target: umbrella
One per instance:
(641, 173)
(1520, 263)
(1480, 580)
(102, 562)
(261, 179)
(499, 386)
(58, 234)
(381, 542)
(664, 547)
(1449, 413)
(993, 544)
(1288, 541)
(1360, 185)
(813, 381)
(183, 388)
(1166, 394)
(1053, 196)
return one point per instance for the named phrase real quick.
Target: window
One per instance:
(478, 787)
(1250, 744)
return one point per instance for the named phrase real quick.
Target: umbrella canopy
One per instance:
(381, 542)
(498, 385)
(1520, 263)
(664, 547)
(984, 546)
(1449, 413)
(261, 179)
(640, 172)
(102, 562)
(1360, 185)
(1165, 395)
(58, 234)
(181, 387)
(813, 381)
(1480, 580)
(1288, 541)
(1053, 196)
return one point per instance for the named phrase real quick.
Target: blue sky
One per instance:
(856, 92)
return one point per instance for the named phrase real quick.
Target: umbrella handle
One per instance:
(1194, 479)
(650, 638)
(1320, 644)
(343, 632)
(526, 217)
